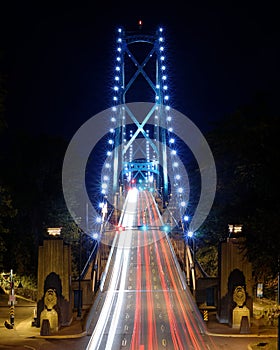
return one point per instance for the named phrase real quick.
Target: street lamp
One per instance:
(184, 224)
(79, 306)
(12, 299)
(191, 236)
(278, 297)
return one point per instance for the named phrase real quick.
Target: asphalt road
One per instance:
(144, 303)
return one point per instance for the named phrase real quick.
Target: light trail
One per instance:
(164, 315)
(119, 273)
(122, 262)
(171, 317)
(152, 334)
(137, 316)
(195, 338)
(123, 266)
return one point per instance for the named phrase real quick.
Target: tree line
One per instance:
(245, 146)
(246, 151)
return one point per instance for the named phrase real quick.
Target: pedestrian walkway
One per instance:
(75, 330)
(267, 335)
(257, 328)
(25, 327)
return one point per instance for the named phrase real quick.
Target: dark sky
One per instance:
(59, 57)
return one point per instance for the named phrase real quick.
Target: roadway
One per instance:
(145, 301)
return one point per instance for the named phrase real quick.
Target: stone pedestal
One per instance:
(52, 317)
(237, 314)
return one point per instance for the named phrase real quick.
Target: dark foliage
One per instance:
(246, 151)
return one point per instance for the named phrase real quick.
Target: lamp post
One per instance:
(278, 299)
(12, 299)
(184, 224)
(191, 236)
(79, 306)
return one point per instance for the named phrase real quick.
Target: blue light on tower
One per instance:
(162, 133)
(190, 234)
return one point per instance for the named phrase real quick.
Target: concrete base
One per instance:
(237, 314)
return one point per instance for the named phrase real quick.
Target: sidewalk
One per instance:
(260, 336)
(258, 328)
(75, 330)
(25, 328)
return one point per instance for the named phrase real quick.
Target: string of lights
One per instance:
(143, 153)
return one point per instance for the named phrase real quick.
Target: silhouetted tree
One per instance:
(246, 147)
(7, 210)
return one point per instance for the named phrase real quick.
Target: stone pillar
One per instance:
(54, 272)
(234, 270)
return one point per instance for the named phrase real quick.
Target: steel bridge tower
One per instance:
(140, 65)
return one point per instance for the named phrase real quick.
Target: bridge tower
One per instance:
(140, 66)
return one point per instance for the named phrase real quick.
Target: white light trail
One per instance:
(119, 275)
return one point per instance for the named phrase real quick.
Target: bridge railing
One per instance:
(96, 245)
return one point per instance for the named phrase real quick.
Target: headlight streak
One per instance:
(186, 328)
(118, 277)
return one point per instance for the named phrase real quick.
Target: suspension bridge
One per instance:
(145, 299)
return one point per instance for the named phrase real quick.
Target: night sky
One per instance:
(59, 58)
